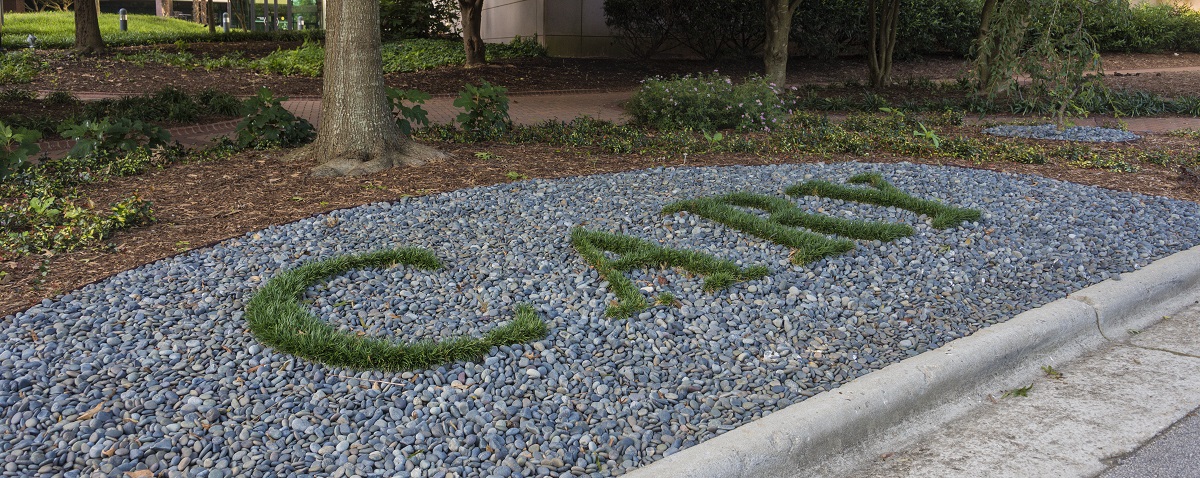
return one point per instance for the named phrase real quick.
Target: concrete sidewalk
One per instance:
(1076, 422)
(523, 109)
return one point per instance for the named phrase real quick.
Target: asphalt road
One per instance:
(1173, 454)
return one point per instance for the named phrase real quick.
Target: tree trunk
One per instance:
(775, 49)
(357, 134)
(472, 19)
(883, 21)
(87, 28)
(984, 52)
(209, 15)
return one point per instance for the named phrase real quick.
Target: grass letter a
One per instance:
(635, 253)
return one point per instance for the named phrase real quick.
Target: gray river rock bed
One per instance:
(154, 368)
(1087, 134)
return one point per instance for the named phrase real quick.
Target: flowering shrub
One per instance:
(707, 103)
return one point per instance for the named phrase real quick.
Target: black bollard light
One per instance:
(124, 19)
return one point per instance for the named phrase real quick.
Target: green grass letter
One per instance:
(882, 193)
(639, 254)
(277, 318)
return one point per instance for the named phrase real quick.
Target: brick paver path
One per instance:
(529, 109)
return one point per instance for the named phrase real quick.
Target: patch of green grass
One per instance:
(639, 254)
(666, 298)
(57, 30)
(277, 318)
(882, 193)
(785, 217)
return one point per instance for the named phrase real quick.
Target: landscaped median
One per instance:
(127, 373)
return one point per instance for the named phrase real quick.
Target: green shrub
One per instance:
(41, 223)
(828, 28)
(517, 48)
(62, 98)
(642, 27)
(423, 53)
(706, 103)
(485, 110)
(407, 116)
(16, 147)
(17, 94)
(169, 103)
(718, 28)
(306, 60)
(42, 211)
(219, 102)
(937, 26)
(19, 67)
(401, 19)
(1145, 27)
(822, 28)
(117, 137)
(268, 124)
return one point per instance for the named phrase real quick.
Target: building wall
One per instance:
(1195, 4)
(571, 28)
(13, 6)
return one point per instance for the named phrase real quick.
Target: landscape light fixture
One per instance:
(124, 19)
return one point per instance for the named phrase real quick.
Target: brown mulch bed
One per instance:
(200, 204)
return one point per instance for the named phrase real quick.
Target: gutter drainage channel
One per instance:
(837, 431)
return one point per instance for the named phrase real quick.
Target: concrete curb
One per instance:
(844, 428)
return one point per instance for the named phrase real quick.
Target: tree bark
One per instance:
(984, 52)
(779, 28)
(87, 28)
(472, 20)
(209, 15)
(883, 21)
(358, 134)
